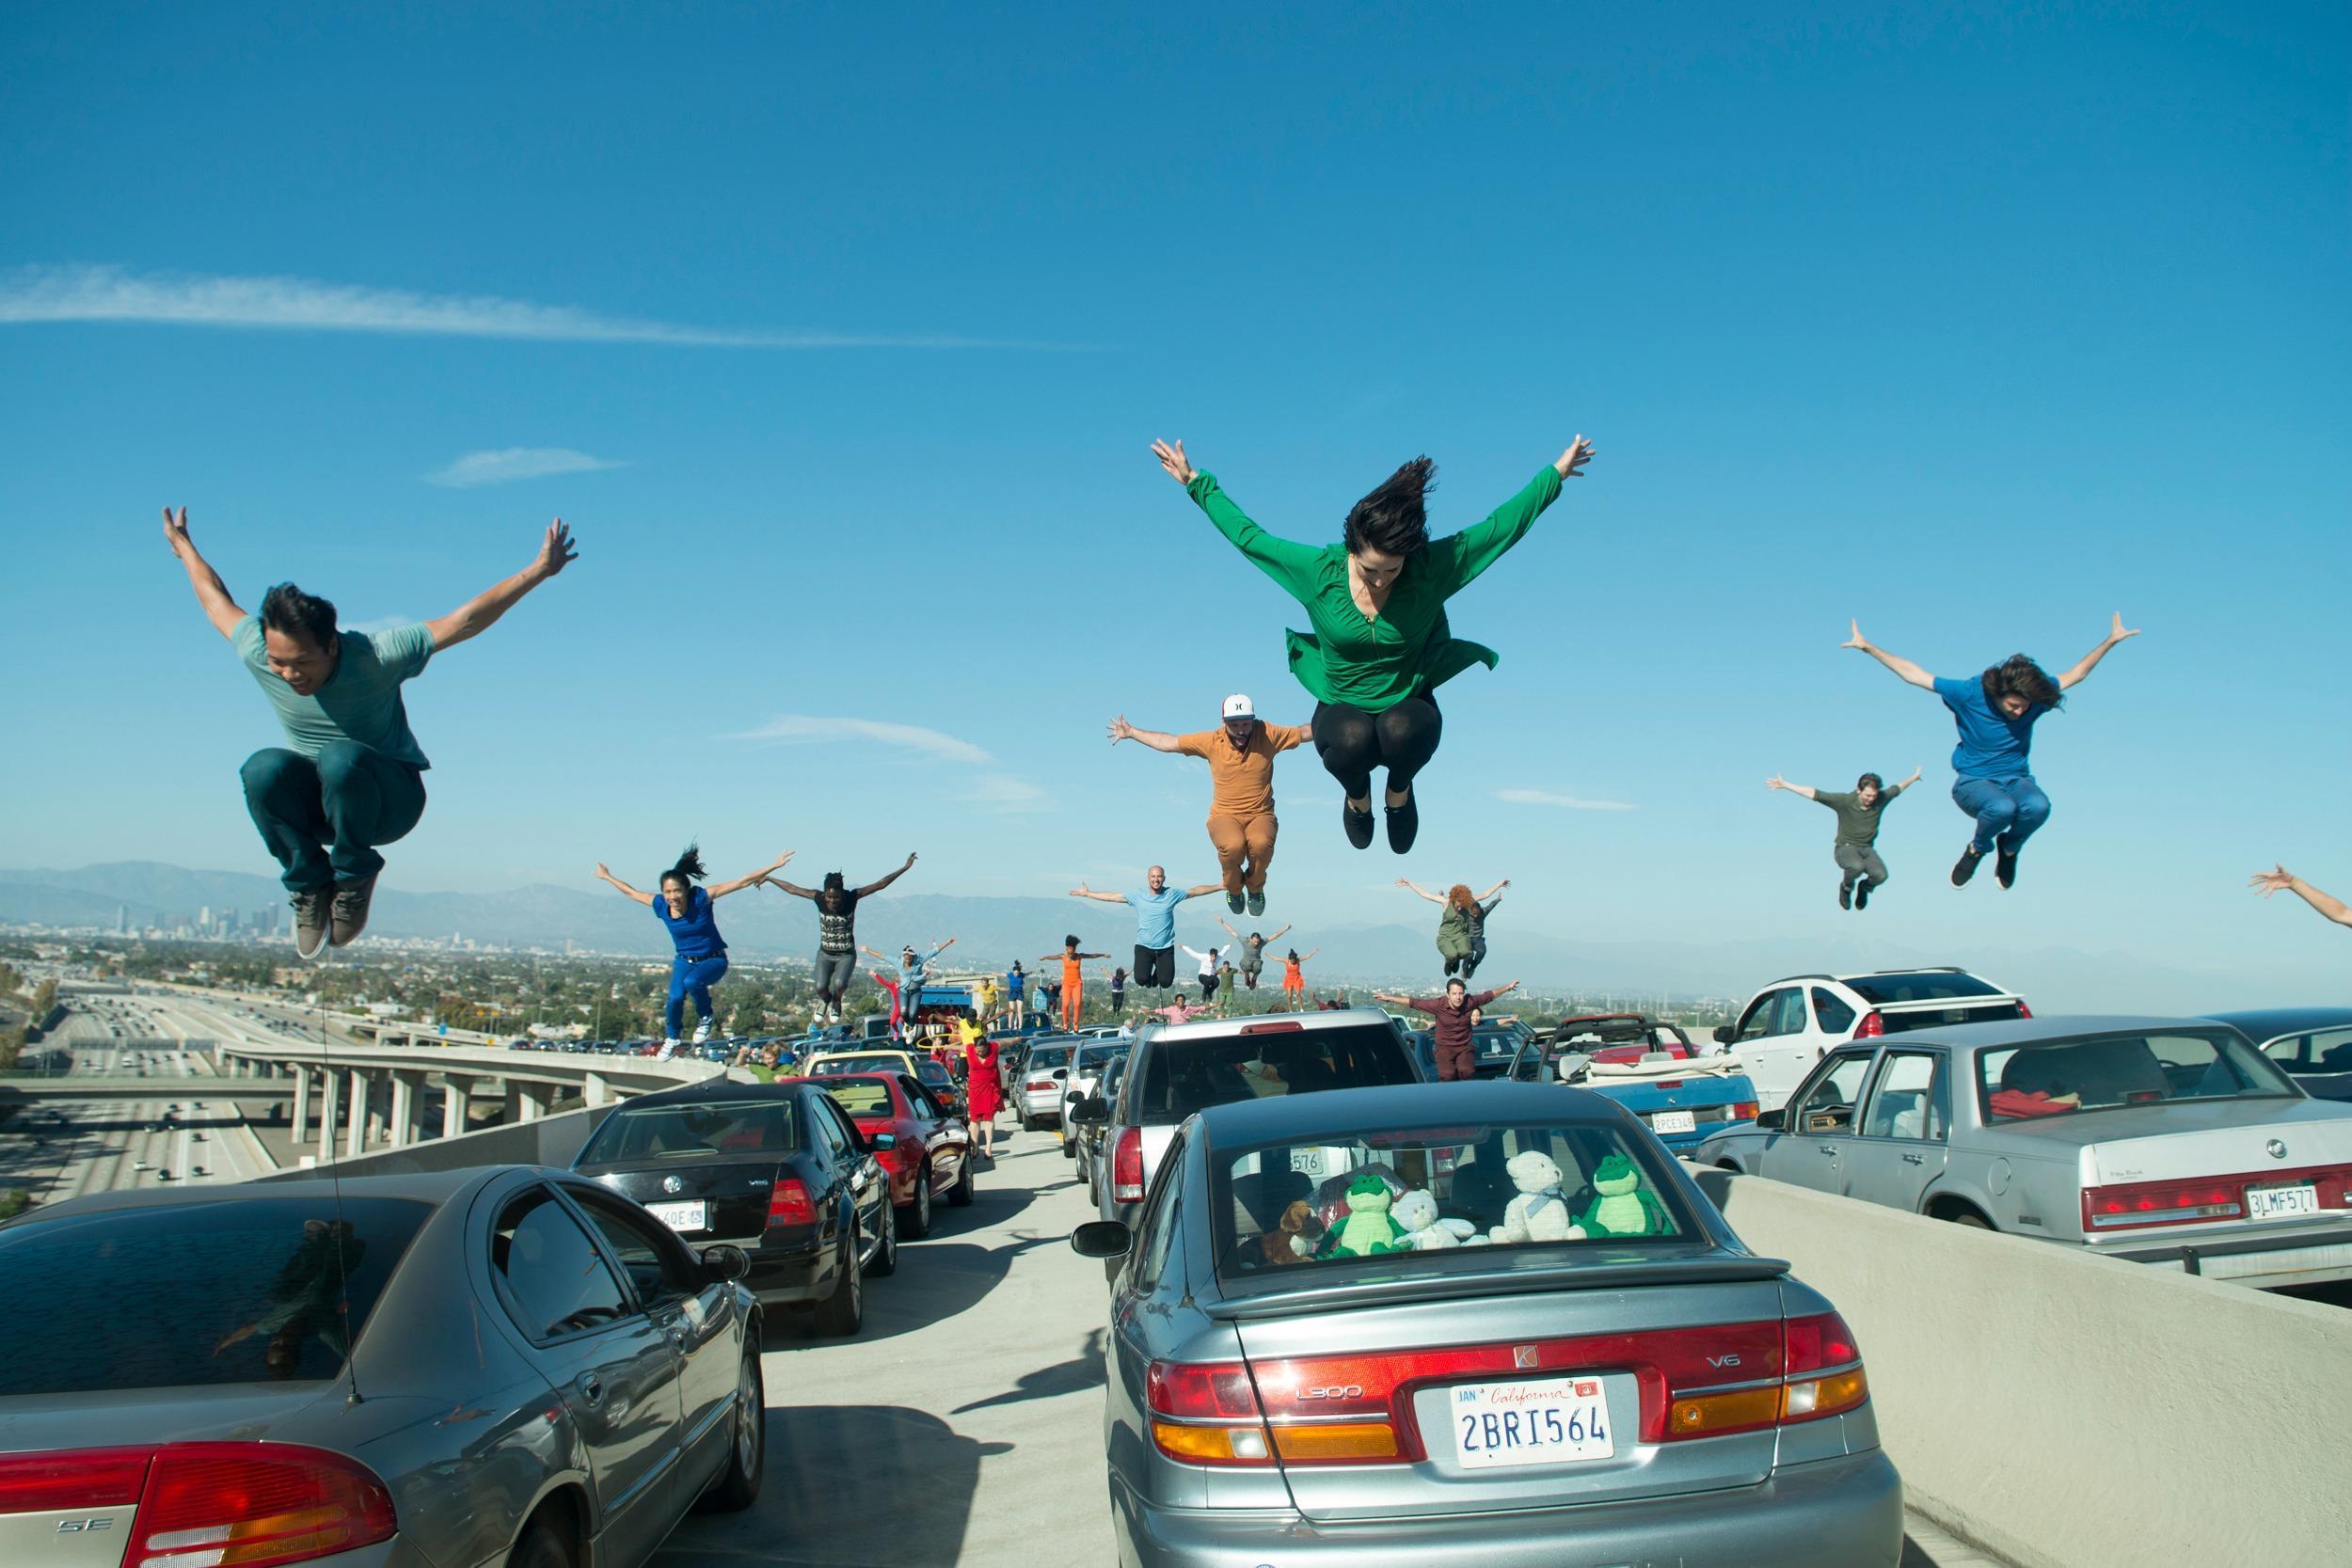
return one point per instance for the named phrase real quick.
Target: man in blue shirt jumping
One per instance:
(1995, 713)
(351, 776)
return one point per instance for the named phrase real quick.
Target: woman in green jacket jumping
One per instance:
(1380, 646)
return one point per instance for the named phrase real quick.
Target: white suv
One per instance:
(1791, 1024)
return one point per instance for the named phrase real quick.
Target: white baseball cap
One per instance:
(1238, 707)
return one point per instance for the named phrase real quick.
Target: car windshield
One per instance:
(863, 1097)
(694, 1132)
(2103, 1072)
(934, 1073)
(857, 1064)
(258, 1291)
(1585, 1033)
(2327, 1050)
(1049, 1056)
(1930, 986)
(1327, 1198)
(1094, 1058)
(1179, 1077)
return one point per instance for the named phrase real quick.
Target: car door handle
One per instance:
(591, 1388)
(1914, 1160)
(674, 1328)
(1826, 1148)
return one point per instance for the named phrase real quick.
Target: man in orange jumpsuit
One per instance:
(1240, 756)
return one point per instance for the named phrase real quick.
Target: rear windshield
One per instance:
(679, 1133)
(858, 1064)
(2064, 1077)
(248, 1291)
(862, 1097)
(1929, 1018)
(1092, 1057)
(1584, 1033)
(1180, 1077)
(1313, 1204)
(1929, 986)
(1049, 1056)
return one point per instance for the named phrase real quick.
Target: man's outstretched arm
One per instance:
(477, 614)
(1082, 891)
(222, 610)
(2282, 880)
(2089, 661)
(1204, 890)
(1159, 740)
(1902, 665)
(1776, 781)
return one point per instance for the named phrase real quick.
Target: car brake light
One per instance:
(1206, 1415)
(1127, 1166)
(788, 1204)
(1872, 1026)
(212, 1505)
(2207, 1199)
(1744, 1110)
(1040, 1084)
(1820, 1368)
(1286, 1027)
(2024, 1011)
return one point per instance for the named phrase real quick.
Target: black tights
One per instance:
(1352, 743)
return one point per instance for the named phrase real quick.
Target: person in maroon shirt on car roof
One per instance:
(1450, 1020)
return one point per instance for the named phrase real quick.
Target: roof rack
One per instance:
(1815, 975)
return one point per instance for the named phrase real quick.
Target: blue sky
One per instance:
(1977, 322)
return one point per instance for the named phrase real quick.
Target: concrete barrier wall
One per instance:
(549, 1141)
(2074, 1412)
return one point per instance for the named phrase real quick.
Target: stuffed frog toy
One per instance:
(1623, 1206)
(1367, 1230)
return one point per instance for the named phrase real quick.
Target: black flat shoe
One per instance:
(1845, 896)
(2005, 868)
(1966, 866)
(1404, 824)
(1862, 895)
(1358, 824)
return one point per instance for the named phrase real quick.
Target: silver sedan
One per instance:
(503, 1368)
(1484, 1323)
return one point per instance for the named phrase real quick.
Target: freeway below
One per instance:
(963, 1423)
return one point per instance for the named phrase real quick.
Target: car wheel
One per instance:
(1970, 1218)
(747, 1450)
(1110, 1270)
(886, 1256)
(841, 1312)
(959, 1196)
(917, 1223)
(540, 1547)
(1069, 1145)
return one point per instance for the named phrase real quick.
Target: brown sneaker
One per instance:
(350, 911)
(309, 906)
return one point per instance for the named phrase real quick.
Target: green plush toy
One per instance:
(1368, 1228)
(1623, 1208)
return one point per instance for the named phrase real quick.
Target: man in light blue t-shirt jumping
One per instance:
(1155, 923)
(351, 776)
(1994, 713)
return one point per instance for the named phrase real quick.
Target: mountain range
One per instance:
(993, 931)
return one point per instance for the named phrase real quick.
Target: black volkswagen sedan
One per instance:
(776, 1169)
(2314, 1044)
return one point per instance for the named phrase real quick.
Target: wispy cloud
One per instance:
(1001, 792)
(510, 463)
(1546, 797)
(381, 622)
(107, 294)
(806, 729)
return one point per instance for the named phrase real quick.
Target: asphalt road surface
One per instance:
(963, 1423)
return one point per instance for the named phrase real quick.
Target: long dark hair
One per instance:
(689, 869)
(2020, 676)
(1392, 519)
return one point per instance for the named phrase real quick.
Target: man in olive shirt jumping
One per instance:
(1858, 831)
(351, 776)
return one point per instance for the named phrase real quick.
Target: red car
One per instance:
(1623, 1037)
(931, 1159)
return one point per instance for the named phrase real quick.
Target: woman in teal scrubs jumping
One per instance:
(1377, 600)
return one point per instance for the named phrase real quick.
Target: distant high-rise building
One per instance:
(205, 919)
(122, 920)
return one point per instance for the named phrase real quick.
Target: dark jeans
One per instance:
(322, 818)
(1154, 967)
(1861, 861)
(1352, 743)
(2008, 811)
(1208, 988)
(835, 971)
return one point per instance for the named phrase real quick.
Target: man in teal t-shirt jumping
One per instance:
(351, 776)
(1155, 923)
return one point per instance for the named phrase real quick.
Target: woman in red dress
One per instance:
(981, 1090)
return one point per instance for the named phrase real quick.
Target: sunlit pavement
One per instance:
(964, 1424)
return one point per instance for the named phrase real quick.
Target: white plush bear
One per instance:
(1540, 1212)
(1417, 1213)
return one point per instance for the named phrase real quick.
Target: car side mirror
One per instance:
(1100, 1239)
(722, 1264)
(1772, 1121)
(1725, 1034)
(1093, 1111)
(880, 1141)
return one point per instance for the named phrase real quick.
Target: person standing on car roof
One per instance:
(1462, 928)
(1119, 991)
(1241, 790)
(908, 999)
(1995, 713)
(1253, 948)
(1453, 1017)
(1155, 923)
(701, 957)
(1856, 849)
(1294, 978)
(350, 778)
(1016, 981)
(1381, 645)
(836, 929)
(1074, 980)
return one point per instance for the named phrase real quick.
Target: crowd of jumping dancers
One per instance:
(350, 777)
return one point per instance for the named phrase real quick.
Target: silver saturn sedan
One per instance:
(1486, 1323)
(502, 1368)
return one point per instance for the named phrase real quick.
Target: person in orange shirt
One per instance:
(1294, 978)
(1241, 790)
(1074, 979)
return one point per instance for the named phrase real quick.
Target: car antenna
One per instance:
(358, 1113)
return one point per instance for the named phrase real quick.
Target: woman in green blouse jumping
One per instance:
(1380, 647)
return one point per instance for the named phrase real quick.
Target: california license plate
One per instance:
(1674, 1121)
(2278, 1203)
(1545, 1421)
(682, 1216)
